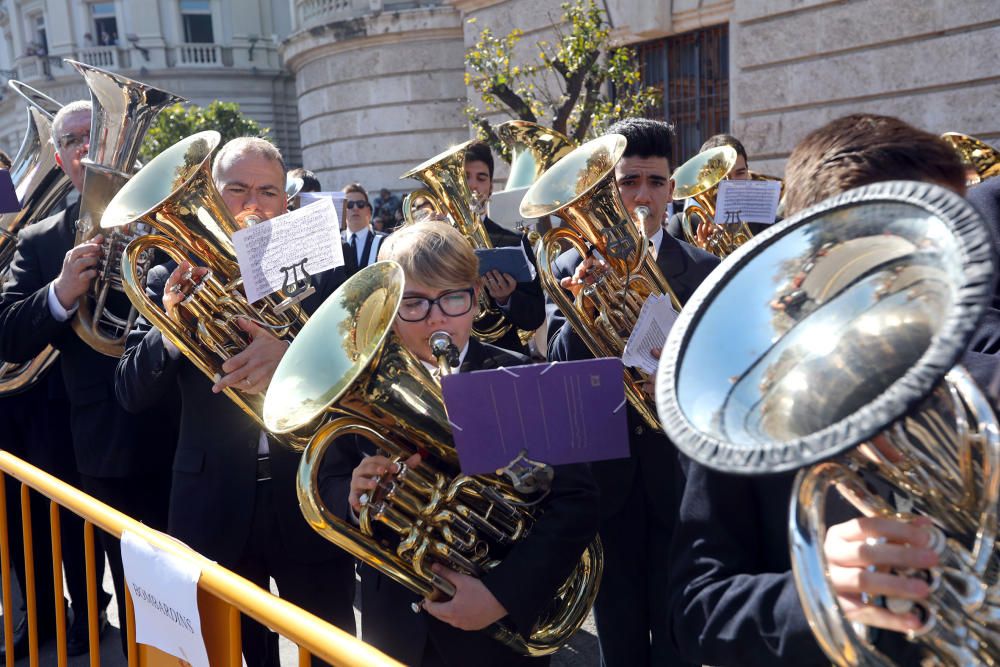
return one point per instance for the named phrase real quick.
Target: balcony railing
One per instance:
(199, 55)
(311, 13)
(99, 56)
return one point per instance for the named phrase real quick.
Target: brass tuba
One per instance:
(852, 316)
(174, 194)
(533, 149)
(977, 155)
(122, 111)
(581, 190)
(698, 180)
(40, 185)
(444, 177)
(348, 363)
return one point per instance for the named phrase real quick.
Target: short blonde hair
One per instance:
(434, 253)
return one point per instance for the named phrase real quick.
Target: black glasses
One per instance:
(453, 304)
(356, 204)
(73, 141)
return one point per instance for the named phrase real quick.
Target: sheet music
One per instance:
(756, 201)
(306, 198)
(655, 319)
(310, 234)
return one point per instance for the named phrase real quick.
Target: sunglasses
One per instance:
(356, 204)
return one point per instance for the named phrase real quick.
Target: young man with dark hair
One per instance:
(733, 597)
(523, 304)
(639, 495)
(739, 172)
(866, 148)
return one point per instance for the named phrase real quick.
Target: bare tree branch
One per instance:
(516, 103)
(574, 86)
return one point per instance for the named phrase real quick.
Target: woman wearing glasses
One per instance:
(361, 241)
(441, 294)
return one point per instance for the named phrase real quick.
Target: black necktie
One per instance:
(354, 248)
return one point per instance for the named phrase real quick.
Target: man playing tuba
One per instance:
(233, 492)
(123, 458)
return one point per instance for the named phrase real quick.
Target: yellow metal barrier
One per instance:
(222, 594)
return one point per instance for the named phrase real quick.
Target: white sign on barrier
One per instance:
(164, 592)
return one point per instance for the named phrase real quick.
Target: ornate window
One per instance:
(692, 71)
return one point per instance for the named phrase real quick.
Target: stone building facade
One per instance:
(363, 90)
(380, 81)
(202, 50)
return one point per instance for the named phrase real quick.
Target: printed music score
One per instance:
(656, 318)
(755, 201)
(273, 249)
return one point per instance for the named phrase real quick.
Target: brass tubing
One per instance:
(57, 580)
(29, 575)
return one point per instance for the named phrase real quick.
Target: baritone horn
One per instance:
(582, 191)
(446, 188)
(978, 156)
(40, 185)
(122, 111)
(174, 194)
(347, 368)
(698, 180)
(854, 315)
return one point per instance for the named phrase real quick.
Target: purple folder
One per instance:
(568, 412)
(8, 196)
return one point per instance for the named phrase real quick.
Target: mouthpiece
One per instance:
(444, 351)
(642, 212)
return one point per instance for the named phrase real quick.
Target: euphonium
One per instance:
(698, 180)
(533, 149)
(444, 176)
(40, 185)
(122, 112)
(581, 190)
(347, 365)
(852, 316)
(174, 194)
(978, 155)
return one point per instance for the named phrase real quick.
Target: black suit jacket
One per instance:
(524, 582)
(351, 259)
(108, 441)
(733, 598)
(652, 456)
(525, 308)
(215, 468)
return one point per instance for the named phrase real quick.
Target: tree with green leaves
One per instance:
(178, 121)
(567, 87)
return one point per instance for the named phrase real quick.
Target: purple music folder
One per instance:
(8, 196)
(568, 412)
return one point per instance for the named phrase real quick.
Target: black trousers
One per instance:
(142, 497)
(631, 607)
(325, 589)
(35, 428)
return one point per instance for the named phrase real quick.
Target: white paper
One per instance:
(655, 319)
(306, 198)
(164, 592)
(310, 233)
(756, 201)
